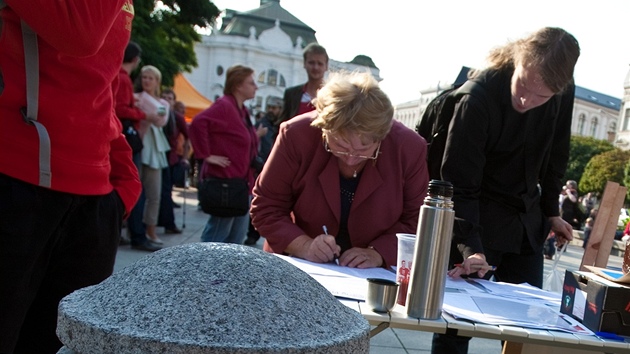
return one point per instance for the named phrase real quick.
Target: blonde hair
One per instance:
(553, 51)
(353, 102)
(158, 75)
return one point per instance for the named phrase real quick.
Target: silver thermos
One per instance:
(430, 260)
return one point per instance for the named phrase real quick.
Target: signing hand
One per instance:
(361, 258)
(470, 265)
(222, 161)
(322, 249)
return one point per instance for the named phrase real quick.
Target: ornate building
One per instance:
(623, 134)
(594, 114)
(268, 39)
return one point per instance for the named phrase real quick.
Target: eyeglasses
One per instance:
(347, 154)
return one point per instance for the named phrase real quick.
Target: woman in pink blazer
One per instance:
(342, 180)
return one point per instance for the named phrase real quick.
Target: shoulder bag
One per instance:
(224, 197)
(131, 134)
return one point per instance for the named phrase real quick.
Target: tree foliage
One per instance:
(167, 35)
(607, 166)
(581, 151)
(626, 178)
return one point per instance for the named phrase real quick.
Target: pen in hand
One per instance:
(336, 259)
(477, 266)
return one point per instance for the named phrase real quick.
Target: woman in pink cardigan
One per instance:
(342, 180)
(224, 137)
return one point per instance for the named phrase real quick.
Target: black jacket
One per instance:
(507, 168)
(292, 98)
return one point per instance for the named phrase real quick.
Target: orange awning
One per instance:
(194, 101)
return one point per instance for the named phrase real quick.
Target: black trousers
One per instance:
(135, 225)
(51, 243)
(526, 267)
(166, 215)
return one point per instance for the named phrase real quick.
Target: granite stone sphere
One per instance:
(209, 298)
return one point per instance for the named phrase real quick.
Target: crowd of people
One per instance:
(153, 127)
(331, 175)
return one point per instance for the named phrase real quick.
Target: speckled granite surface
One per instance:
(209, 298)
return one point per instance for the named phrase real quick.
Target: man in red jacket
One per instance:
(63, 235)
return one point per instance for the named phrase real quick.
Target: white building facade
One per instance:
(270, 40)
(272, 47)
(623, 133)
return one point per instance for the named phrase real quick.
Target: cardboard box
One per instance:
(599, 304)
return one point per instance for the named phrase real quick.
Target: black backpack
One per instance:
(433, 126)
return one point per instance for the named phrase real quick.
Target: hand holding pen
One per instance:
(336, 253)
(475, 263)
(477, 266)
(321, 249)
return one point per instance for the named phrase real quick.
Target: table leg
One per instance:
(378, 329)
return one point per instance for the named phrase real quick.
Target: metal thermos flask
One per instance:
(430, 260)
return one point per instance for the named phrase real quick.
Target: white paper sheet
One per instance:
(341, 281)
(507, 304)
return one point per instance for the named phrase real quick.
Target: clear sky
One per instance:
(417, 44)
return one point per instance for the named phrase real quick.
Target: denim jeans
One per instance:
(227, 230)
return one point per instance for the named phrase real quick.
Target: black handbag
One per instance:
(225, 197)
(131, 134)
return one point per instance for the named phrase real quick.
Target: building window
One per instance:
(219, 70)
(612, 127)
(594, 123)
(581, 122)
(272, 77)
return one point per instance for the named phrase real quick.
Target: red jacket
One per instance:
(221, 130)
(125, 101)
(298, 190)
(80, 46)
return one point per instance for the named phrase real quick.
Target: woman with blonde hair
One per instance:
(342, 180)
(155, 147)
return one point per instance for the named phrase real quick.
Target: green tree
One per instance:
(167, 34)
(607, 166)
(626, 178)
(581, 151)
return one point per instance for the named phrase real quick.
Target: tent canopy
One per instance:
(194, 101)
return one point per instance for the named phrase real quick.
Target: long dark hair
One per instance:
(552, 50)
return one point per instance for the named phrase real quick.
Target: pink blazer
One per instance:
(298, 190)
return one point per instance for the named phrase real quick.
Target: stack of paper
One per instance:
(341, 281)
(507, 304)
